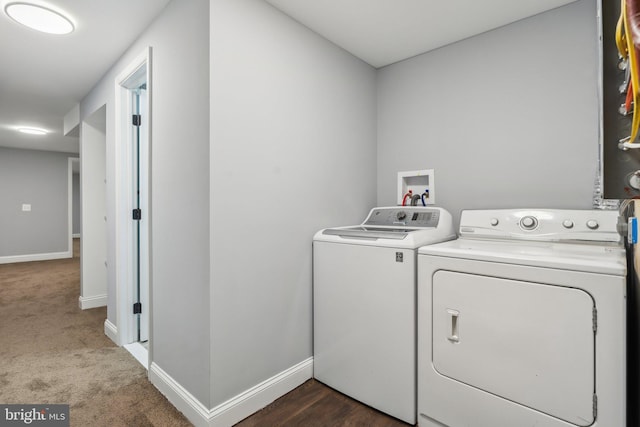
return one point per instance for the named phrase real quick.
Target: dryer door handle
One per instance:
(453, 333)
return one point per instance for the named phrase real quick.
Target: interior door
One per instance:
(530, 343)
(140, 203)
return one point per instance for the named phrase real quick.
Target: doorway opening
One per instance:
(133, 206)
(73, 200)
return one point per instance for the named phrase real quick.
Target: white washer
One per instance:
(364, 299)
(522, 322)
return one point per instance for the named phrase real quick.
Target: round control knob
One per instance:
(593, 224)
(567, 223)
(494, 221)
(529, 223)
(401, 215)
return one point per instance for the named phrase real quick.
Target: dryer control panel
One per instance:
(553, 225)
(409, 216)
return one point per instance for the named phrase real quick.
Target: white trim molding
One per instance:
(139, 352)
(237, 408)
(35, 257)
(111, 331)
(70, 162)
(137, 71)
(92, 302)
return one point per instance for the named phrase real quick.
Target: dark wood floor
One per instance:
(315, 405)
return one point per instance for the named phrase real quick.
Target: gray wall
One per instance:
(179, 188)
(292, 151)
(507, 119)
(280, 121)
(38, 178)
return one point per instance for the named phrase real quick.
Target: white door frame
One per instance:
(71, 161)
(126, 325)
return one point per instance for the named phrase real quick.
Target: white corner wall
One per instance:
(93, 244)
(508, 118)
(292, 151)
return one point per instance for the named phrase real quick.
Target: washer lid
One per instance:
(405, 238)
(604, 259)
(370, 232)
(406, 227)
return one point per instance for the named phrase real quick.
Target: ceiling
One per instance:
(381, 32)
(43, 76)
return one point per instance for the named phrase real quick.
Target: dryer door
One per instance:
(530, 343)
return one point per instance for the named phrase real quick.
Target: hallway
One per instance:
(53, 352)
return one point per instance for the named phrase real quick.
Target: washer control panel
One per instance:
(410, 216)
(541, 224)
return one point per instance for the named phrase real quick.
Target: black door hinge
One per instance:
(137, 214)
(137, 308)
(136, 119)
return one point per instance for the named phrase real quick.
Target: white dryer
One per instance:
(522, 322)
(364, 305)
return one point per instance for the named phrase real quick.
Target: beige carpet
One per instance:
(53, 352)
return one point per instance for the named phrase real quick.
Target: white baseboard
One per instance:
(184, 401)
(92, 302)
(237, 408)
(111, 331)
(35, 257)
(241, 406)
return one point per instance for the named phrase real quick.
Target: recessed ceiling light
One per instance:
(39, 18)
(33, 131)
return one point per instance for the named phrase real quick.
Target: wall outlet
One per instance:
(26, 207)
